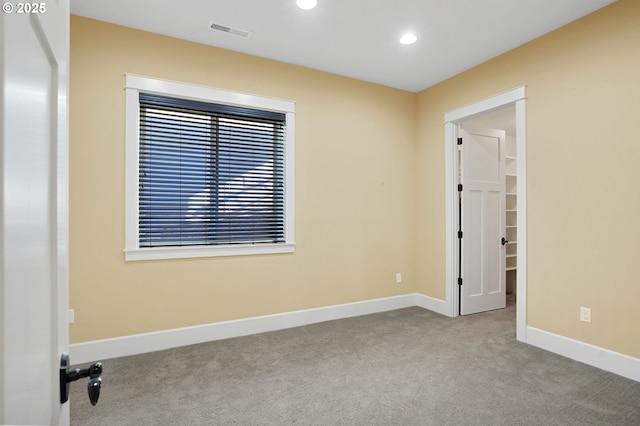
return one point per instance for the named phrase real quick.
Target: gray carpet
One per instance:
(404, 367)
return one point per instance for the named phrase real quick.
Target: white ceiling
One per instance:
(354, 38)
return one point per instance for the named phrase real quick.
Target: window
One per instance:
(209, 172)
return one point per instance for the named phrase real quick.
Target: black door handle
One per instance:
(504, 241)
(94, 373)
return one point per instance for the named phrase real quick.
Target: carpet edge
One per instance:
(166, 339)
(595, 356)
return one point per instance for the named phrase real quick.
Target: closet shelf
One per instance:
(511, 213)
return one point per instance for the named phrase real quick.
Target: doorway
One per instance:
(514, 101)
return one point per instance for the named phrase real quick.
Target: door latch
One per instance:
(94, 373)
(504, 241)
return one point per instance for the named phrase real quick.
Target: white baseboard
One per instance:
(166, 339)
(436, 305)
(595, 356)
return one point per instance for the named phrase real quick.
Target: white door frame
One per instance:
(514, 97)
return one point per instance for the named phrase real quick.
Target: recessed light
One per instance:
(307, 4)
(408, 38)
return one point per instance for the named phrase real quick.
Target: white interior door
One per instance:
(33, 211)
(483, 219)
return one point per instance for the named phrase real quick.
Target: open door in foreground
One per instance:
(33, 211)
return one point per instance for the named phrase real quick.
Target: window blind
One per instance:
(209, 174)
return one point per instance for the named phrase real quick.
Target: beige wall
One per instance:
(583, 156)
(354, 191)
(381, 210)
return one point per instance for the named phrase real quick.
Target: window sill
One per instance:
(206, 251)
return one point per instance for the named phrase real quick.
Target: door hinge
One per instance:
(459, 141)
(460, 281)
(459, 235)
(460, 187)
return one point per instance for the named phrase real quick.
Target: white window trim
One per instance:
(136, 84)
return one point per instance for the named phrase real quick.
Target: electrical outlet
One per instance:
(585, 314)
(398, 277)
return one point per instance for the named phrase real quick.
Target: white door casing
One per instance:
(515, 97)
(483, 218)
(33, 211)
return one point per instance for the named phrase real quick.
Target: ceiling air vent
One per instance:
(230, 30)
